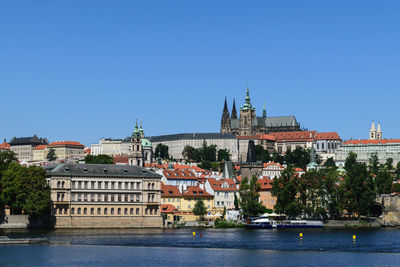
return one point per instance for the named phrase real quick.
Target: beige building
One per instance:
(40, 153)
(111, 147)
(23, 146)
(105, 196)
(67, 149)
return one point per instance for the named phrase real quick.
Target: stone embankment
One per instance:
(390, 209)
(352, 224)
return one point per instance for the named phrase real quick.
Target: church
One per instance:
(250, 124)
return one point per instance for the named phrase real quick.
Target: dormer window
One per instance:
(85, 170)
(125, 170)
(105, 170)
(66, 169)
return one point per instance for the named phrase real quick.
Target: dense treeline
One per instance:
(23, 189)
(328, 193)
(207, 155)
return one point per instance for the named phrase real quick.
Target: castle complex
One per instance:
(249, 124)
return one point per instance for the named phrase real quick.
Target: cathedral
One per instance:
(249, 124)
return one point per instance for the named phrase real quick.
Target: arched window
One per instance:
(63, 184)
(73, 211)
(149, 186)
(112, 210)
(126, 211)
(151, 211)
(145, 211)
(55, 211)
(137, 211)
(132, 211)
(79, 210)
(65, 211)
(92, 211)
(58, 184)
(85, 211)
(98, 210)
(119, 210)
(152, 186)
(105, 210)
(155, 211)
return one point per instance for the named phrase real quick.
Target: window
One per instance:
(126, 185)
(65, 211)
(137, 211)
(98, 210)
(98, 197)
(119, 210)
(91, 197)
(132, 185)
(112, 210)
(137, 198)
(151, 211)
(63, 184)
(112, 198)
(126, 211)
(58, 196)
(126, 198)
(105, 210)
(73, 211)
(105, 185)
(86, 185)
(92, 185)
(112, 185)
(152, 186)
(58, 184)
(79, 210)
(226, 194)
(119, 198)
(92, 211)
(149, 186)
(132, 211)
(188, 206)
(138, 185)
(85, 211)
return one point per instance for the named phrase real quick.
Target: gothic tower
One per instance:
(225, 120)
(372, 132)
(247, 116)
(379, 132)
(265, 111)
(234, 113)
(136, 150)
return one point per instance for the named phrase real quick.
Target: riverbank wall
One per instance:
(23, 222)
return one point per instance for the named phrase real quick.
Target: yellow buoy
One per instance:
(194, 233)
(354, 238)
(301, 235)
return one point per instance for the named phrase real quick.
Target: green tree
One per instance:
(359, 187)
(278, 158)
(206, 165)
(262, 154)
(330, 163)
(299, 157)
(51, 155)
(223, 155)
(200, 209)
(397, 171)
(6, 157)
(188, 152)
(284, 188)
(384, 182)
(389, 164)
(374, 164)
(249, 197)
(161, 151)
(236, 202)
(99, 159)
(25, 189)
(208, 153)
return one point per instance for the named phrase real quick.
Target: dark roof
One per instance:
(228, 170)
(191, 136)
(108, 170)
(34, 141)
(251, 152)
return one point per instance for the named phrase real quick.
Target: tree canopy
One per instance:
(161, 151)
(99, 159)
(51, 155)
(25, 189)
(199, 209)
(249, 197)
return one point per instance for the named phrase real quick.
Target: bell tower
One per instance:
(225, 120)
(136, 149)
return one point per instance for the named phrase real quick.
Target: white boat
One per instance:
(300, 224)
(262, 223)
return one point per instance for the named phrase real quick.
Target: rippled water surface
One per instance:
(221, 247)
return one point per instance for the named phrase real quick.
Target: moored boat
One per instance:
(262, 223)
(4, 240)
(289, 224)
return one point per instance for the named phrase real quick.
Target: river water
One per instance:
(219, 247)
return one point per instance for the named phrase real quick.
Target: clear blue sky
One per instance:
(82, 70)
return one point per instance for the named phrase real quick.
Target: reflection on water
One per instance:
(215, 246)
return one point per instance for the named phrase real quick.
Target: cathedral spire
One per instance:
(225, 120)
(225, 106)
(372, 132)
(234, 112)
(265, 110)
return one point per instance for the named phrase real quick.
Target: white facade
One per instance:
(110, 147)
(176, 143)
(383, 148)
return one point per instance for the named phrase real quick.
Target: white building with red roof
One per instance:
(272, 170)
(178, 177)
(4, 146)
(223, 190)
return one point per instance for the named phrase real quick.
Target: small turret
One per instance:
(372, 132)
(379, 132)
(234, 112)
(265, 111)
(225, 120)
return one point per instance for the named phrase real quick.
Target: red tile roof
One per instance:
(249, 137)
(5, 146)
(167, 208)
(179, 175)
(195, 191)
(87, 151)
(170, 191)
(373, 142)
(265, 184)
(294, 136)
(328, 136)
(266, 137)
(216, 185)
(121, 159)
(266, 165)
(67, 144)
(40, 147)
